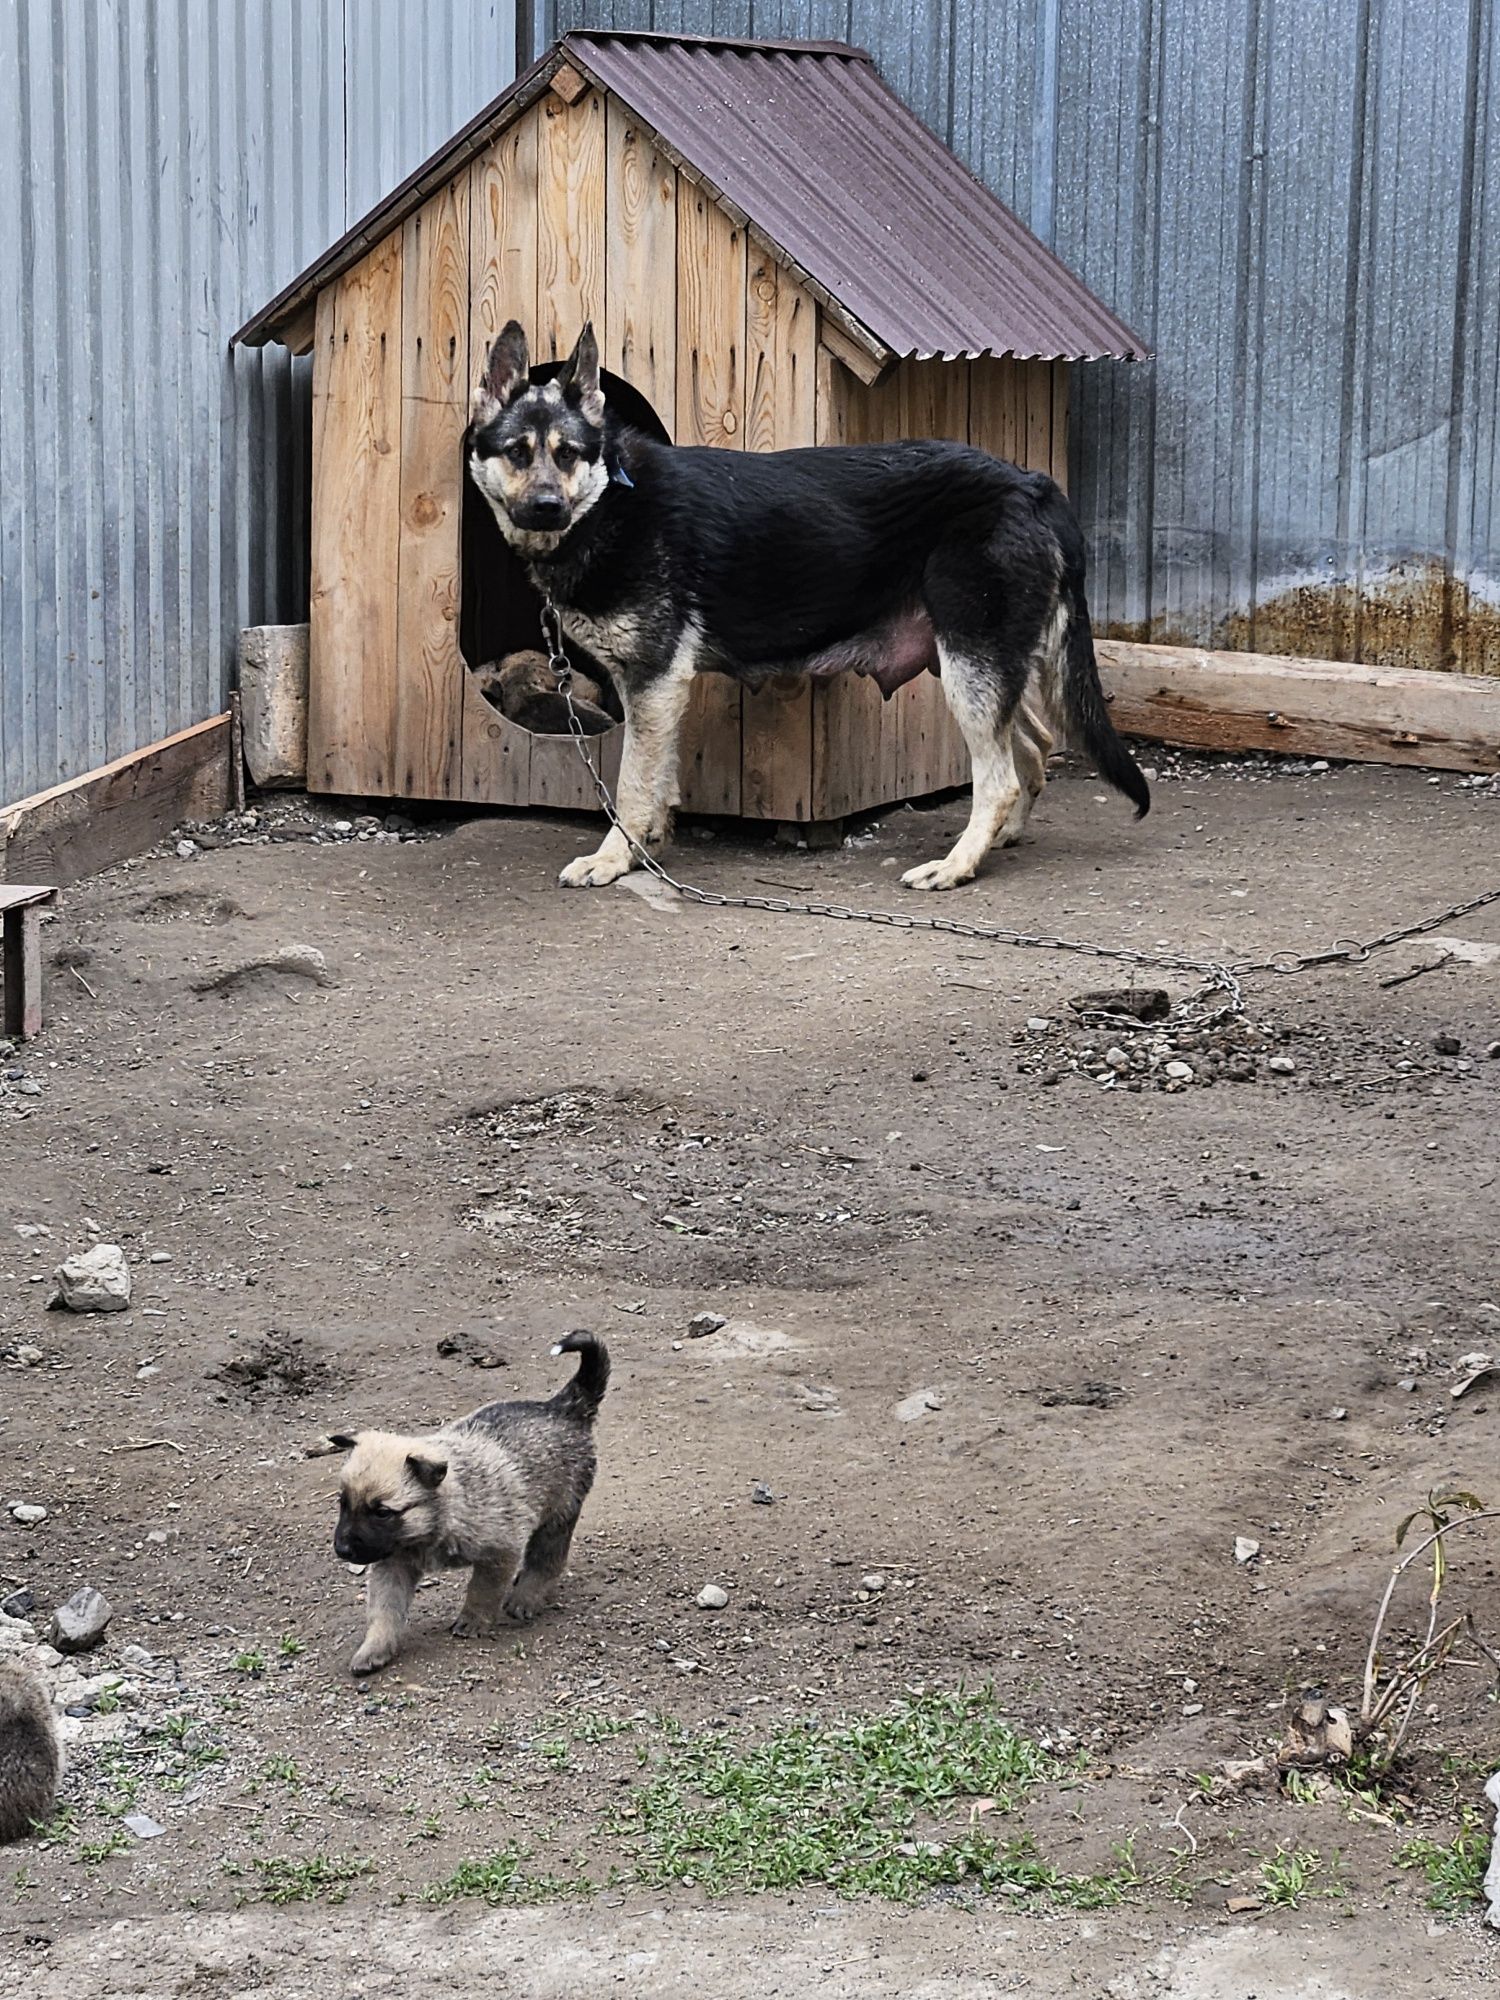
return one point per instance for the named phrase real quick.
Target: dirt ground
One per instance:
(1035, 1348)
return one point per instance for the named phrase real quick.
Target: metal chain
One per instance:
(1221, 995)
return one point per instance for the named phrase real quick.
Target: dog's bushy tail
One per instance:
(582, 1396)
(1083, 698)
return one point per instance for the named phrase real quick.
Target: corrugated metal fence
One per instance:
(1296, 202)
(169, 166)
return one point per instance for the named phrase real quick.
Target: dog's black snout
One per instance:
(545, 510)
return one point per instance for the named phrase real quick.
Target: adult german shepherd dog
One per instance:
(669, 561)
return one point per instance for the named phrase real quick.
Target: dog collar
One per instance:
(620, 477)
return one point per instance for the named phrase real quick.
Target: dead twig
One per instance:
(83, 982)
(146, 1444)
(1416, 973)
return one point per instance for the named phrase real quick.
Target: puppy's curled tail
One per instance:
(582, 1396)
(30, 1755)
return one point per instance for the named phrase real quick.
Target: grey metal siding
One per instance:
(1298, 206)
(167, 167)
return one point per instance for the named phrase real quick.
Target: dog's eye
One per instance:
(565, 457)
(380, 1510)
(519, 453)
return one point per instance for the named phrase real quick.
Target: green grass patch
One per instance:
(503, 1878)
(856, 1805)
(318, 1878)
(1291, 1874)
(1455, 1868)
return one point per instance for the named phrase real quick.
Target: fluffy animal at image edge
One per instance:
(498, 1492)
(667, 561)
(30, 1754)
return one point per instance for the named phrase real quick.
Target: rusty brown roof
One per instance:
(825, 163)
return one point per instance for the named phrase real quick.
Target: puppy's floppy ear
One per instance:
(428, 1472)
(506, 373)
(579, 376)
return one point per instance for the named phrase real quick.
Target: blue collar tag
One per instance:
(621, 477)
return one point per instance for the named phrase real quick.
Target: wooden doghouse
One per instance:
(775, 252)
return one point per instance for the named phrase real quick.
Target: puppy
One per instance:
(498, 1492)
(30, 1755)
(525, 691)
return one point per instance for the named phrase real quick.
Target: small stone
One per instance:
(29, 1516)
(96, 1280)
(1409, 1384)
(28, 1356)
(143, 1827)
(702, 1324)
(139, 1659)
(343, 826)
(1493, 1051)
(79, 1625)
(1180, 1072)
(186, 849)
(712, 1598)
(1037, 1024)
(1338, 1415)
(1245, 1549)
(874, 1583)
(1282, 1065)
(761, 1495)
(1117, 1058)
(1447, 1045)
(18, 1604)
(160, 1257)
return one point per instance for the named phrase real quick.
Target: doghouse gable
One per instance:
(575, 211)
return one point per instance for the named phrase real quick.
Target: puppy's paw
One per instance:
(474, 1625)
(371, 1657)
(936, 875)
(593, 871)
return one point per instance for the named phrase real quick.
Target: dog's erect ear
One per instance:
(579, 377)
(428, 1472)
(342, 1440)
(332, 1441)
(506, 373)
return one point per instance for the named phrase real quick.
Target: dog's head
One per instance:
(387, 1495)
(536, 450)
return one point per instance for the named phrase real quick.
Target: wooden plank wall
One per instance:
(573, 213)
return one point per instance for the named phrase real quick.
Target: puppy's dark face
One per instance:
(387, 1496)
(536, 453)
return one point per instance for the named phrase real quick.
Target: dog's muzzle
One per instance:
(543, 515)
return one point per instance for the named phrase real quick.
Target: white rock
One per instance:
(96, 1280)
(1117, 1058)
(27, 1514)
(186, 849)
(1037, 1024)
(712, 1598)
(1181, 1072)
(1282, 1065)
(1245, 1549)
(874, 1583)
(273, 702)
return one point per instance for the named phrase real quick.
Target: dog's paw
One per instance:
(593, 871)
(470, 1625)
(370, 1659)
(936, 875)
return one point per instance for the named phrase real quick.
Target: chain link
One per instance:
(1220, 996)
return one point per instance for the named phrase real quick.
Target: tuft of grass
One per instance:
(839, 1804)
(503, 1878)
(116, 1841)
(554, 1752)
(1292, 1873)
(283, 1770)
(319, 1877)
(1455, 1869)
(289, 1646)
(253, 1665)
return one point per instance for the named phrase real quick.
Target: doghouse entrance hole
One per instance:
(499, 612)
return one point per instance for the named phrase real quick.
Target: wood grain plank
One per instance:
(1060, 381)
(780, 414)
(434, 407)
(1038, 416)
(639, 334)
(570, 222)
(1312, 708)
(356, 536)
(710, 410)
(503, 285)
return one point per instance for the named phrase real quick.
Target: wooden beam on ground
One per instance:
(123, 808)
(21, 958)
(1305, 708)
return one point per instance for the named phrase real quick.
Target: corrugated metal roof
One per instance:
(826, 163)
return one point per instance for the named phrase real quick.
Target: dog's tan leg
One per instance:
(974, 694)
(484, 1600)
(388, 1597)
(647, 790)
(1031, 744)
